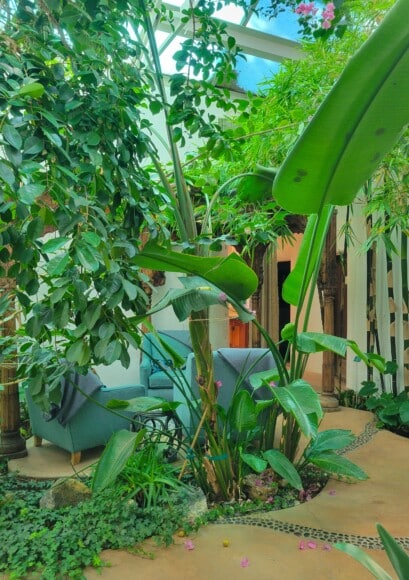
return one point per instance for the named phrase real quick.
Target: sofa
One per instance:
(91, 425)
(157, 373)
(233, 367)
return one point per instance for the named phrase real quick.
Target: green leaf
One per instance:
(33, 145)
(6, 174)
(92, 315)
(54, 244)
(34, 90)
(256, 463)
(397, 556)
(242, 412)
(337, 465)
(112, 352)
(86, 257)
(61, 314)
(309, 257)
(91, 239)
(57, 266)
(12, 136)
(300, 399)
(79, 352)
(316, 341)
(256, 187)
(362, 557)
(119, 449)
(28, 193)
(404, 412)
(35, 228)
(230, 274)
(330, 440)
(131, 290)
(283, 466)
(146, 404)
(358, 120)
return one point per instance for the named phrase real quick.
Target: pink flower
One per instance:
(301, 546)
(270, 499)
(312, 545)
(189, 545)
(272, 384)
(326, 24)
(244, 563)
(306, 9)
(326, 547)
(218, 384)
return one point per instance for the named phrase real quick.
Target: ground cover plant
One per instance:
(62, 542)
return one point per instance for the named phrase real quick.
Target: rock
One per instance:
(65, 492)
(196, 503)
(261, 486)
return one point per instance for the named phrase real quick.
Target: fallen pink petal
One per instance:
(312, 545)
(332, 492)
(301, 546)
(189, 545)
(244, 563)
(326, 547)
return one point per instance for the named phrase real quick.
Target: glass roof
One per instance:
(264, 42)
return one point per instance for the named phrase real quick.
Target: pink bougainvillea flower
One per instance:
(301, 546)
(332, 492)
(272, 384)
(244, 563)
(218, 384)
(312, 545)
(326, 547)
(326, 24)
(306, 9)
(270, 499)
(189, 545)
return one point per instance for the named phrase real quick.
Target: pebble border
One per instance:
(264, 520)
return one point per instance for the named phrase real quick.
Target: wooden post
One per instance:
(12, 444)
(328, 286)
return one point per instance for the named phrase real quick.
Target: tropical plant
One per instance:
(397, 556)
(311, 180)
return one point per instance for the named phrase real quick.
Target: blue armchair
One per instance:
(156, 368)
(231, 365)
(91, 426)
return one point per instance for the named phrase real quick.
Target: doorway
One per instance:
(284, 309)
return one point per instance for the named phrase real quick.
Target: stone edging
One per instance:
(264, 521)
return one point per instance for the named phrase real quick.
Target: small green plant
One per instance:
(392, 411)
(397, 556)
(61, 543)
(148, 478)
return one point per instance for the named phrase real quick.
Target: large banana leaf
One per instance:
(283, 466)
(300, 399)
(356, 125)
(115, 456)
(337, 465)
(230, 274)
(309, 257)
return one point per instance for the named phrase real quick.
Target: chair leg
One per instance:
(75, 457)
(37, 441)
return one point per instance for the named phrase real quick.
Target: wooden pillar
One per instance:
(12, 444)
(328, 293)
